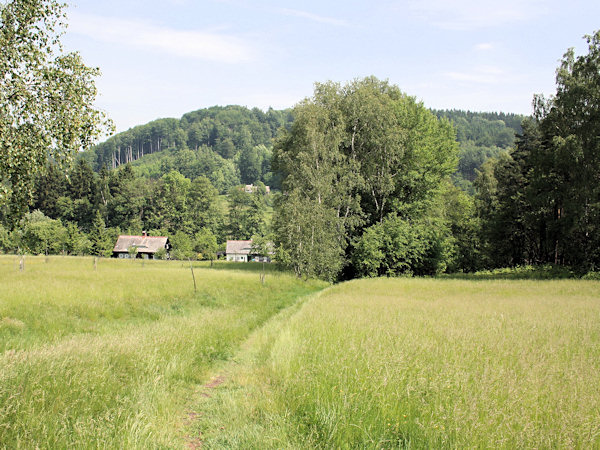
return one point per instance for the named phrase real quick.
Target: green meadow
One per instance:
(125, 354)
(110, 356)
(418, 363)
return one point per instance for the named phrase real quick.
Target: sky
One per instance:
(164, 58)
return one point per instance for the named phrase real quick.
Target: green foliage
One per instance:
(77, 243)
(464, 228)
(205, 244)
(481, 136)
(102, 239)
(527, 272)
(46, 100)
(42, 235)
(169, 203)
(307, 238)
(161, 254)
(5, 242)
(398, 246)
(183, 246)
(246, 213)
(228, 145)
(541, 203)
(354, 155)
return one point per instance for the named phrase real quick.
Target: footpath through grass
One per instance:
(417, 363)
(108, 358)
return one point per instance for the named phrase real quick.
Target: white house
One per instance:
(238, 250)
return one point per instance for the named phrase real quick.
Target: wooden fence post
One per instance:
(193, 276)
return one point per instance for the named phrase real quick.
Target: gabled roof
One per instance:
(238, 247)
(144, 244)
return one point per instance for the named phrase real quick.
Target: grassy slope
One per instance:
(109, 357)
(418, 363)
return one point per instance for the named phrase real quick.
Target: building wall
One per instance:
(237, 257)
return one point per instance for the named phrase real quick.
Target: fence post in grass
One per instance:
(262, 275)
(22, 263)
(95, 262)
(193, 277)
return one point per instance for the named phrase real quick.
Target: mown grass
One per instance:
(108, 358)
(418, 363)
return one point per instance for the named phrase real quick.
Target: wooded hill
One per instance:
(232, 144)
(481, 136)
(227, 144)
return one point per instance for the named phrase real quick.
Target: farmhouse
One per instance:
(146, 246)
(238, 250)
(241, 251)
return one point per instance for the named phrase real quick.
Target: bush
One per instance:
(591, 276)
(400, 247)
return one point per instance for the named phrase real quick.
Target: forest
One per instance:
(184, 184)
(364, 180)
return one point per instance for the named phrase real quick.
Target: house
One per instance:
(146, 246)
(250, 188)
(238, 250)
(241, 251)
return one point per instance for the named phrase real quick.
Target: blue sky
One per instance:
(166, 58)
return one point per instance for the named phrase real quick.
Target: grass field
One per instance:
(110, 357)
(417, 363)
(127, 355)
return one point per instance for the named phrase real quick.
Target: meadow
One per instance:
(417, 363)
(109, 355)
(125, 354)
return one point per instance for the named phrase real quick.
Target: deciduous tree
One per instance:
(46, 99)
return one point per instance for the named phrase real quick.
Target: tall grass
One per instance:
(109, 357)
(423, 364)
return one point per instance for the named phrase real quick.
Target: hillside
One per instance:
(481, 136)
(227, 144)
(232, 144)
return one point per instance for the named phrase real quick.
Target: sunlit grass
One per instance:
(423, 364)
(108, 356)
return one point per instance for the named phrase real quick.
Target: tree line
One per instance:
(82, 212)
(229, 145)
(232, 145)
(372, 182)
(541, 202)
(366, 177)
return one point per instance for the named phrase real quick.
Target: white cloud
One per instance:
(480, 75)
(473, 14)
(484, 46)
(315, 17)
(191, 44)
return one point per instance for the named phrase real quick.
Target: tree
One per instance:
(170, 206)
(307, 238)
(541, 203)
(101, 238)
(570, 126)
(203, 208)
(354, 155)
(205, 243)
(42, 234)
(246, 213)
(49, 187)
(183, 247)
(77, 243)
(46, 99)
(5, 242)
